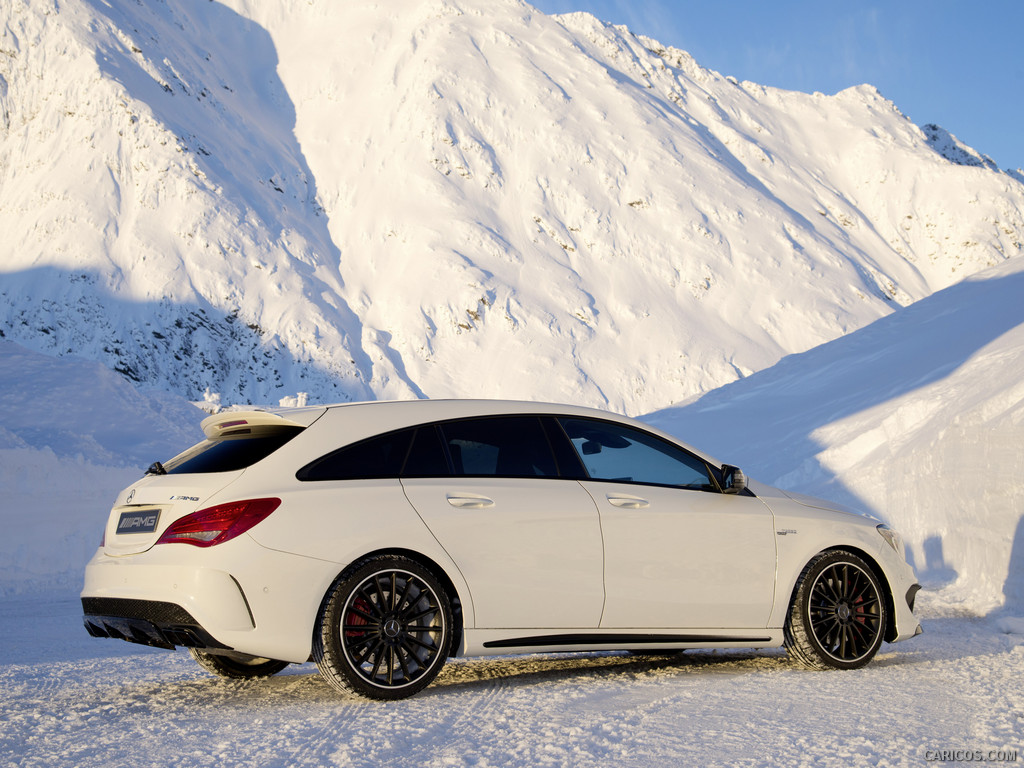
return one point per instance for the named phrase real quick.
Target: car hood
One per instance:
(832, 506)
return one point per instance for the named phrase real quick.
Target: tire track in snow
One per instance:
(957, 686)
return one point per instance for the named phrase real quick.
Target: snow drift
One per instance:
(72, 433)
(916, 418)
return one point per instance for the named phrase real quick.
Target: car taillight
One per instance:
(215, 525)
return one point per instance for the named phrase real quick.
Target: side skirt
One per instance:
(492, 642)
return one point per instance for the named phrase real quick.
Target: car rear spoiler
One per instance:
(245, 423)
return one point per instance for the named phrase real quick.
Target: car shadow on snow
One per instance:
(302, 684)
(956, 640)
(142, 671)
(483, 672)
(173, 682)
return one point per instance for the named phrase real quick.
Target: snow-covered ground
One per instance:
(917, 418)
(70, 700)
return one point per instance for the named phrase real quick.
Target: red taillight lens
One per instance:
(215, 525)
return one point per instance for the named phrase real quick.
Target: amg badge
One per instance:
(138, 522)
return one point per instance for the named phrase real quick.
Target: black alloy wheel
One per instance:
(384, 629)
(838, 616)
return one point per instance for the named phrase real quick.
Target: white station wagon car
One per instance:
(381, 538)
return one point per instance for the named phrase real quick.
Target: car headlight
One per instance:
(894, 539)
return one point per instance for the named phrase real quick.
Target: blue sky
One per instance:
(958, 64)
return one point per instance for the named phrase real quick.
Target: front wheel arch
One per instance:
(839, 612)
(876, 569)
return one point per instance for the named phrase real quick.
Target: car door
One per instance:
(527, 542)
(678, 552)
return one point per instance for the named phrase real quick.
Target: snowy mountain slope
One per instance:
(917, 418)
(129, 241)
(448, 198)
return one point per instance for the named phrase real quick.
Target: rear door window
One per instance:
(502, 446)
(426, 455)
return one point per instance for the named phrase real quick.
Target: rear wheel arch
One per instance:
(385, 627)
(431, 565)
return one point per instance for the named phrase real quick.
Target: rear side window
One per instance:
(378, 457)
(415, 452)
(228, 454)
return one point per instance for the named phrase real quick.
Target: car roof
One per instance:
(453, 408)
(385, 415)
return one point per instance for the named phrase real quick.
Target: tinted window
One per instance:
(619, 453)
(426, 456)
(569, 465)
(229, 454)
(513, 446)
(377, 457)
(414, 452)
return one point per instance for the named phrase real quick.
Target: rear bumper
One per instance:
(240, 597)
(147, 622)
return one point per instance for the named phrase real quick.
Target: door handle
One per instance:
(628, 502)
(470, 502)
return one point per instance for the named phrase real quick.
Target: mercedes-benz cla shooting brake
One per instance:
(378, 539)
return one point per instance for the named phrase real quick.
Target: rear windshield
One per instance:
(229, 454)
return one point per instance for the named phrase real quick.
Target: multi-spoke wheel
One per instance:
(237, 666)
(838, 615)
(384, 630)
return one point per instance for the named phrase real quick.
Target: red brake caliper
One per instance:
(355, 619)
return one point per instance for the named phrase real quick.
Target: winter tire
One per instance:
(384, 629)
(838, 615)
(237, 667)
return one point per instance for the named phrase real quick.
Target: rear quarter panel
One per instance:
(340, 522)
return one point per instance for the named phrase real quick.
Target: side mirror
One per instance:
(733, 479)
